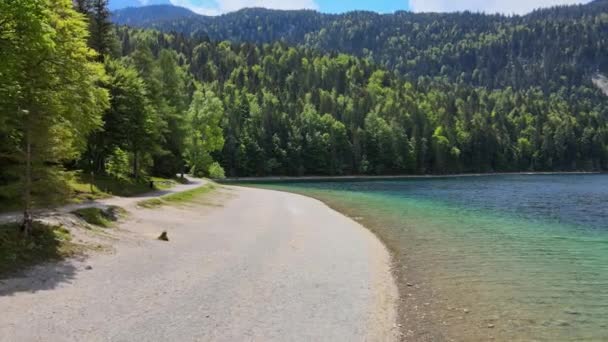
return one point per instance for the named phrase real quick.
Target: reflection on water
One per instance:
(500, 257)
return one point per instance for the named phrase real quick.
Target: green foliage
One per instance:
(216, 171)
(205, 136)
(104, 186)
(51, 100)
(94, 216)
(131, 122)
(118, 165)
(100, 217)
(292, 111)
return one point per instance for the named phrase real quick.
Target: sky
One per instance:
(214, 7)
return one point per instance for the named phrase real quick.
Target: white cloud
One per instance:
(224, 6)
(487, 6)
(204, 10)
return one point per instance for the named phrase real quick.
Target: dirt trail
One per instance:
(263, 266)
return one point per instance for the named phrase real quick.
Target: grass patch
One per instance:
(166, 183)
(46, 243)
(105, 186)
(178, 198)
(151, 203)
(75, 187)
(100, 217)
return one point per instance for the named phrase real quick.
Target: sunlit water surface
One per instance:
(522, 257)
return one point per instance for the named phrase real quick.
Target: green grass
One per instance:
(100, 217)
(178, 198)
(76, 187)
(104, 186)
(46, 243)
(166, 183)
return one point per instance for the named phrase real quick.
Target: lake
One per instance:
(510, 257)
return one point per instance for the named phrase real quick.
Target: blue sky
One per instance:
(214, 7)
(383, 6)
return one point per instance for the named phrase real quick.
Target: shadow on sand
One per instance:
(39, 278)
(36, 262)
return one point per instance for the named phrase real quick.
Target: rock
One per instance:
(410, 284)
(466, 311)
(490, 326)
(163, 236)
(88, 268)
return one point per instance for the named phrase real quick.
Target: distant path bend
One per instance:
(263, 266)
(110, 201)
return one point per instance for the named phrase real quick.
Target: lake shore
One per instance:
(231, 180)
(414, 316)
(471, 266)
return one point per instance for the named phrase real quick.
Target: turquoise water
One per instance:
(517, 258)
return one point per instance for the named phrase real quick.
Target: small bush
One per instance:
(216, 171)
(118, 164)
(100, 217)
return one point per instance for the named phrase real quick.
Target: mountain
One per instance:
(120, 4)
(150, 15)
(551, 48)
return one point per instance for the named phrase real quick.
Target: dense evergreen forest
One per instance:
(78, 93)
(550, 48)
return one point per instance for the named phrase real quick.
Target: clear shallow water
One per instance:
(521, 257)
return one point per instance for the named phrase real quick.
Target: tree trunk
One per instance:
(92, 183)
(26, 226)
(136, 165)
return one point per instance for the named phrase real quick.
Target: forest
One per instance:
(80, 94)
(549, 48)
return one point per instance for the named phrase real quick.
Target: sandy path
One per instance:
(267, 266)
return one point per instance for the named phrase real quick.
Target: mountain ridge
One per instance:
(550, 48)
(115, 5)
(147, 15)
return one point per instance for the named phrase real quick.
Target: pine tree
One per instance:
(52, 91)
(102, 39)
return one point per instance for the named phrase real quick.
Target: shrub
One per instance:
(118, 165)
(216, 171)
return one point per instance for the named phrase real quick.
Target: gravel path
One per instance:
(264, 266)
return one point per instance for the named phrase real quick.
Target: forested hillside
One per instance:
(80, 95)
(294, 111)
(551, 48)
